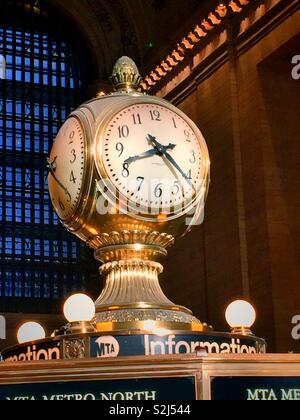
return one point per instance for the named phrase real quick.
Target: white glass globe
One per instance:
(240, 314)
(30, 331)
(79, 308)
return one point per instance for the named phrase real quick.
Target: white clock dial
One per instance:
(154, 157)
(66, 163)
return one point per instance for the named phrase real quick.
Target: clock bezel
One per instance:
(123, 199)
(74, 215)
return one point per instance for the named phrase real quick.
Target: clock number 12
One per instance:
(155, 115)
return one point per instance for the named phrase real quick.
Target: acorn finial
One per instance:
(125, 75)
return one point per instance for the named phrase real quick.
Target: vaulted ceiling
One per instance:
(142, 29)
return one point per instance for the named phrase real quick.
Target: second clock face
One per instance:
(153, 157)
(67, 162)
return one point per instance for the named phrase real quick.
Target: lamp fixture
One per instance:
(79, 310)
(30, 331)
(241, 316)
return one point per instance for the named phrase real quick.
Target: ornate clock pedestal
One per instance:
(132, 299)
(149, 162)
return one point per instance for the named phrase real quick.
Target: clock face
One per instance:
(154, 157)
(67, 162)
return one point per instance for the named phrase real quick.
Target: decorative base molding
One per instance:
(127, 237)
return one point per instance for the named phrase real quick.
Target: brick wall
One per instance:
(248, 111)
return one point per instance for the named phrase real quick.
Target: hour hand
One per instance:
(144, 155)
(149, 153)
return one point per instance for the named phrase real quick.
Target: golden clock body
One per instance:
(121, 142)
(85, 221)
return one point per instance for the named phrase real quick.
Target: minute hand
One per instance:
(164, 152)
(171, 160)
(52, 172)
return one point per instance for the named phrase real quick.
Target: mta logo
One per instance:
(107, 347)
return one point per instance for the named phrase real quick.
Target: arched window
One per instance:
(47, 66)
(2, 67)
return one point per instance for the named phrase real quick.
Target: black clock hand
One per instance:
(157, 146)
(52, 165)
(52, 172)
(147, 154)
(172, 161)
(160, 148)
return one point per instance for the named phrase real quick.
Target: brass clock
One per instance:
(67, 166)
(129, 173)
(154, 157)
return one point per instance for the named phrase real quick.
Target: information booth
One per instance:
(160, 378)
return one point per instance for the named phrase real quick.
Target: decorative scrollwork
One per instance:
(75, 349)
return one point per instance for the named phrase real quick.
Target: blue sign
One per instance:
(34, 352)
(103, 346)
(151, 345)
(151, 389)
(255, 389)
